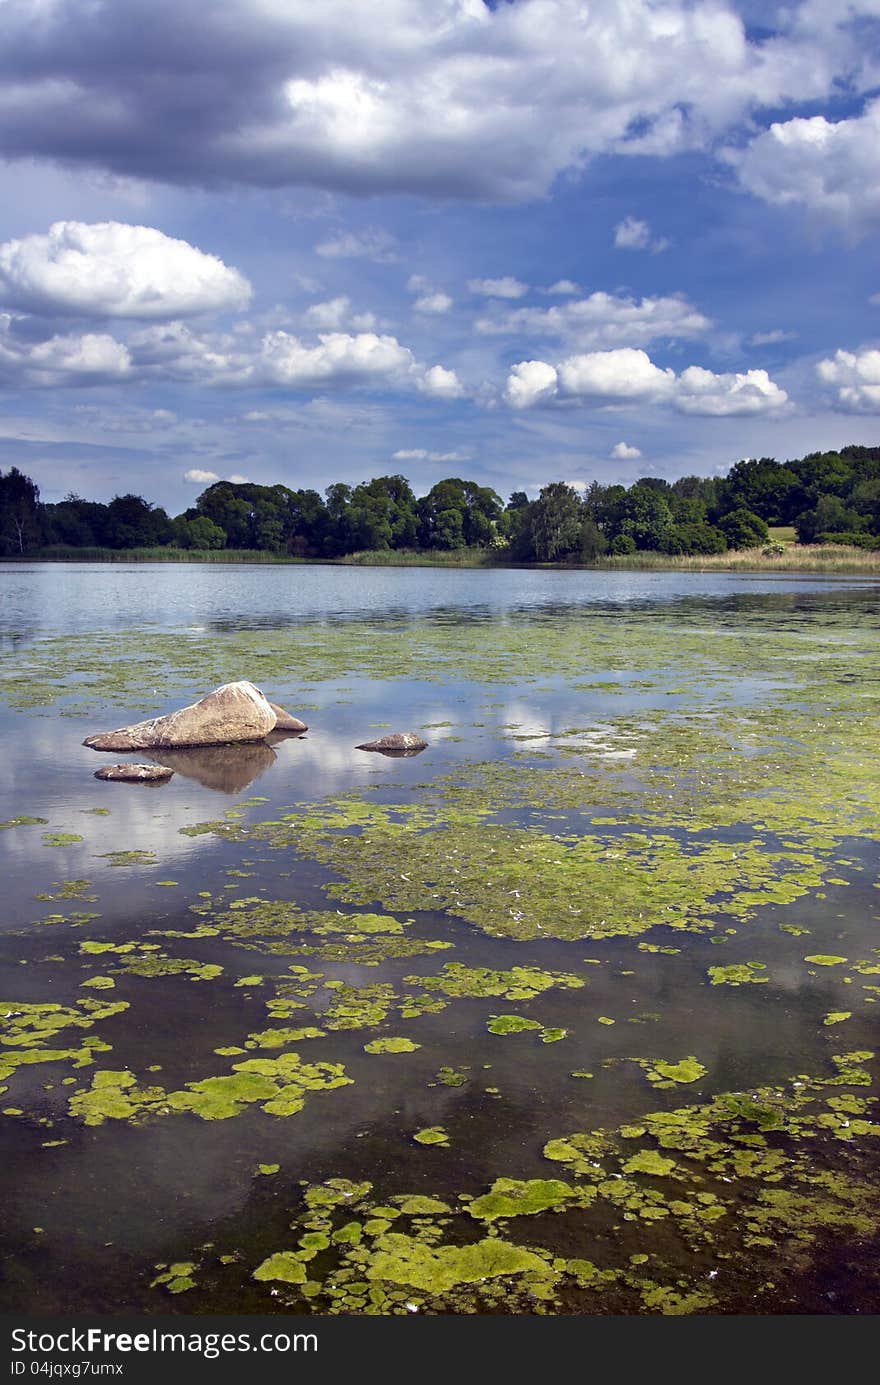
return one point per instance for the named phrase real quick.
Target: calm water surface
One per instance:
(92, 1210)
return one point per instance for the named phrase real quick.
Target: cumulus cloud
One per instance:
(602, 320)
(359, 245)
(633, 234)
(506, 287)
(831, 168)
(442, 97)
(855, 377)
(109, 269)
(440, 383)
(562, 288)
(622, 452)
(433, 303)
(87, 359)
(627, 375)
(200, 478)
(174, 352)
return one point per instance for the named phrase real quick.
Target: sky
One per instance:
(524, 241)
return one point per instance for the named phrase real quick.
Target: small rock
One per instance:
(399, 743)
(285, 722)
(135, 774)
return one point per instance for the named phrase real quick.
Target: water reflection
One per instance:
(225, 768)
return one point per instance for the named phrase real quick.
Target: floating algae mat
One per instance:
(576, 1012)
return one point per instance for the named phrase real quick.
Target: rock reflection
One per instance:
(225, 768)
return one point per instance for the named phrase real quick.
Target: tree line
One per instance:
(826, 496)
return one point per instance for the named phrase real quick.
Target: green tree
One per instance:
(743, 529)
(21, 526)
(555, 522)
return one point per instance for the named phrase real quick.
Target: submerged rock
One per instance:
(234, 712)
(135, 774)
(399, 743)
(285, 722)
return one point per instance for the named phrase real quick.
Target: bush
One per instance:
(623, 545)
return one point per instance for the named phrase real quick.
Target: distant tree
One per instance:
(132, 522)
(478, 507)
(20, 512)
(762, 485)
(198, 532)
(555, 522)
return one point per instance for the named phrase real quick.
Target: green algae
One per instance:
(837, 1016)
(61, 838)
(402, 1259)
(511, 1197)
(510, 1024)
(825, 960)
(662, 1074)
(23, 821)
(738, 974)
(391, 1045)
(283, 1266)
(278, 1086)
(431, 1135)
(451, 1077)
(519, 983)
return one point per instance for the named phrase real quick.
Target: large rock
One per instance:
(135, 774)
(399, 743)
(232, 713)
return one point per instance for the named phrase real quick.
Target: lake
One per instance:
(573, 1012)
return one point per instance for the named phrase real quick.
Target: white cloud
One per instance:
(771, 338)
(197, 477)
(622, 374)
(335, 313)
(632, 234)
(359, 245)
(751, 392)
(622, 452)
(562, 288)
(530, 382)
(108, 269)
(421, 454)
(440, 383)
(433, 303)
(339, 357)
(506, 287)
(627, 375)
(90, 358)
(603, 320)
(855, 376)
(831, 168)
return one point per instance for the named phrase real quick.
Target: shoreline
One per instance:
(812, 558)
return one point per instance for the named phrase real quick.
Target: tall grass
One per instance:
(64, 553)
(795, 558)
(414, 557)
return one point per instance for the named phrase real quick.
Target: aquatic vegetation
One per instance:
(431, 1135)
(662, 1074)
(511, 1024)
(837, 1016)
(738, 974)
(391, 1045)
(23, 821)
(61, 838)
(825, 960)
(519, 983)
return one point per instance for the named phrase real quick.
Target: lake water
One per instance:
(575, 1011)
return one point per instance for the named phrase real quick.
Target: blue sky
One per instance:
(518, 242)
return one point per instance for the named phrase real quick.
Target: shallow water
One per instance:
(618, 763)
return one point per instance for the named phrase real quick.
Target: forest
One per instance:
(825, 497)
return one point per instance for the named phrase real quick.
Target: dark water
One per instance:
(114, 1200)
